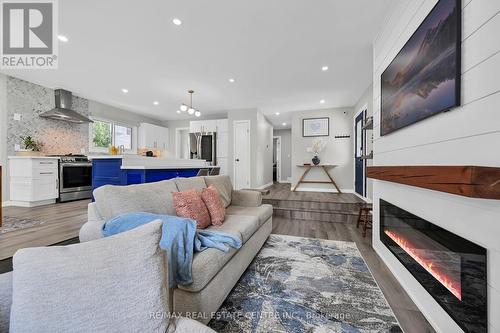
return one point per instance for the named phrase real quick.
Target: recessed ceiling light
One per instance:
(231, 80)
(124, 90)
(156, 103)
(284, 124)
(62, 38)
(277, 113)
(322, 101)
(178, 111)
(324, 68)
(176, 21)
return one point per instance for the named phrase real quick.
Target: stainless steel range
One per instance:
(75, 177)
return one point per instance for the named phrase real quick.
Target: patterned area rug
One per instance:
(14, 223)
(306, 285)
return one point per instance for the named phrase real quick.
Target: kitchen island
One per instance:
(133, 169)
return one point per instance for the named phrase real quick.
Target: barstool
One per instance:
(365, 217)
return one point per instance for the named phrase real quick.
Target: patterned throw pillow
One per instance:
(190, 205)
(213, 201)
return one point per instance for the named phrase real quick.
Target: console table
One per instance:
(325, 169)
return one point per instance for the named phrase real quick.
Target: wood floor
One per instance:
(63, 221)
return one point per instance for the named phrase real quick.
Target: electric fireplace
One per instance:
(451, 268)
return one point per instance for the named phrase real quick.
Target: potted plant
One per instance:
(317, 146)
(31, 147)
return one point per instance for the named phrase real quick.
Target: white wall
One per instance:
(286, 153)
(3, 137)
(366, 101)
(172, 125)
(468, 135)
(337, 151)
(101, 110)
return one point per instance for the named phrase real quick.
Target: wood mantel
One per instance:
(468, 181)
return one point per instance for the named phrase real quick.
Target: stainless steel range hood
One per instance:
(62, 110)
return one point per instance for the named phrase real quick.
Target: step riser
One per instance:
(316, 216)
(310, 205)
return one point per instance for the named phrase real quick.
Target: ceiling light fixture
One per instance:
(322, 101)
(178, 111)
(125, 91)
(176, 21)
(62, 38)
(324, 68)
(277, 113)
(156, 103)
(189, 108)
(231, 80)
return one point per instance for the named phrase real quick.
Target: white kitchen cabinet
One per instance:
(34, 181)
(221, 125)
(153, 136)
(222, 144)
(222, 163)
(202, 126)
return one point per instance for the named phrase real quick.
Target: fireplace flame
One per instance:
(453, 286)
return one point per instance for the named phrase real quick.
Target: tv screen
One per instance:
(424, 78)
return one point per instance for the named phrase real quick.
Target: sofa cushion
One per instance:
(154, 198)
(242, 226)
(189, 204)
(223, 185)
(215, 206)
(112, 284)
(5, 300)
(263, 212)
(183, 184)
(205, 266)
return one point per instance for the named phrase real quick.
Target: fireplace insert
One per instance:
(452, 269)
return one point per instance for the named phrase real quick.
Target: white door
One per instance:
(241, 164)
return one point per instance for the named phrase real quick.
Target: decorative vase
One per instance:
(316, 160)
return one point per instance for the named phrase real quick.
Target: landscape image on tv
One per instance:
(424, 78)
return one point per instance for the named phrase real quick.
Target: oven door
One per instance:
(75, 177)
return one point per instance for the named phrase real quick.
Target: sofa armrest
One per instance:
(93, 228)
(246, 198)
(5, 300)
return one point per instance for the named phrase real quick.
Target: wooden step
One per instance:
(334, 216)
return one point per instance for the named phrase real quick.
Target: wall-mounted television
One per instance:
(424, 78)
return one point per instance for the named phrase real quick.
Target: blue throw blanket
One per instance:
(179, 239)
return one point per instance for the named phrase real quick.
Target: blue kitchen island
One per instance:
(128, 170)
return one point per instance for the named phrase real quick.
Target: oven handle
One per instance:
(76, 165)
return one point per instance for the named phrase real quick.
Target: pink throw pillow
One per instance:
(214, 203)
(190, 205)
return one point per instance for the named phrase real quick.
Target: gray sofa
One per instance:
(214, 272)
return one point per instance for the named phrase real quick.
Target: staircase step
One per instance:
(313, 205)
(316, 215)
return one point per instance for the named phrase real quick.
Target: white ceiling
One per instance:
(273, 49)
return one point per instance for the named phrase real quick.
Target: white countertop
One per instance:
(33, 157)
(157, 167)
(136, 162)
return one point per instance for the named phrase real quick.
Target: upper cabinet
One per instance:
(153, 136)
(202, 126)
(221, 125)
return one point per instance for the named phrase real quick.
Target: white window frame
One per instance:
(93, 149)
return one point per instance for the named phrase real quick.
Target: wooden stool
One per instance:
(365, 218)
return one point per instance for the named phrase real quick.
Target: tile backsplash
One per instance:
(29, 100)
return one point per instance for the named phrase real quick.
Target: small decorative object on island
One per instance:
(31, 147)
(317, 146)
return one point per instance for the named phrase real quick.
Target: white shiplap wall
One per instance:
(468, 135)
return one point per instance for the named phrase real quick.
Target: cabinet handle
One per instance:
(46, 173)
(57, 184)
(47, 163)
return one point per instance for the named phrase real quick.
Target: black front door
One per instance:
(359, 139)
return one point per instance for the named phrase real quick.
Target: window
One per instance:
(104, 133)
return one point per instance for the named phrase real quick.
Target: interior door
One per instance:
(359, 139)
(241, 154)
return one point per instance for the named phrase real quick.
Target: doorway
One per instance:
(182, 146)
(241, 145)
(277, 159)
(359, 147)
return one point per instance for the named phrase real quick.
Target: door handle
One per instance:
(237, 160)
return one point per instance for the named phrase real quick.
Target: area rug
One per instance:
(306, 285)
(15, 223)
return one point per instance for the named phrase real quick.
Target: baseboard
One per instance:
(264, 186)
(28, 204)
(284, 182)
(325, 190)
(6, 203)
